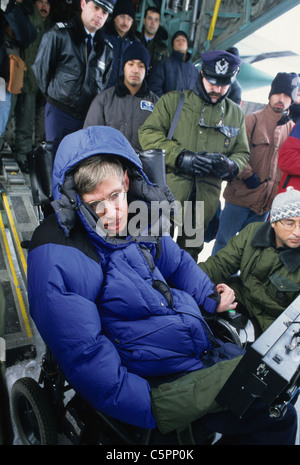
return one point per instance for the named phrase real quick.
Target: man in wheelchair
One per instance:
(120, 305)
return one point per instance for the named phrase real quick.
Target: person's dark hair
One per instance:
(151, 8)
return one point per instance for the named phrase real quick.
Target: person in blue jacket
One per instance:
(175, 72)
(114, 298)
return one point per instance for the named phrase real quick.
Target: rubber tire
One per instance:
(227, 333)
(32, 413)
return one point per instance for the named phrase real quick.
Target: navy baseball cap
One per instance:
(220, 67)
(107, 5)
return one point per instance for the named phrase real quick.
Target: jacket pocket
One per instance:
(260, 138)
(284, 289)
(67, 85)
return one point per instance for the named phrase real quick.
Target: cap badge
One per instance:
(221, 66)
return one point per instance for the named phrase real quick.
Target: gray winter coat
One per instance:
(117, 108)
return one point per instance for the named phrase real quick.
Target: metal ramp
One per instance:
(18, 219)
(11, 171)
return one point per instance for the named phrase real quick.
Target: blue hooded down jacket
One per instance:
(114, 311)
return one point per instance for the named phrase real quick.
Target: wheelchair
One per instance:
(46, 409)
(42, 415)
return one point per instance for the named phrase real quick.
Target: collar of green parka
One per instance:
(264, 237)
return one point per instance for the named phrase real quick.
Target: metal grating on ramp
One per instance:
(18, 219)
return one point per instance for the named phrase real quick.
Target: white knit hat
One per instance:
(285, 205)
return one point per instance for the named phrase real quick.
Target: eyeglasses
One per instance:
(113, 199)
(289, 225)
(228, 131)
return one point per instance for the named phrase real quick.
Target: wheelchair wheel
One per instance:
(227, 333)
(32, 414)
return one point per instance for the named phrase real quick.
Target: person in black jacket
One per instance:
(72, 66)
(120, 33)
(153, 36)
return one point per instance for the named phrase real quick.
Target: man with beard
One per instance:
(209, 144)
(127, 105)
(249, 196)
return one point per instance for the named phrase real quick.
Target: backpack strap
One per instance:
(286, 181)
(176, 116)
(253, 145)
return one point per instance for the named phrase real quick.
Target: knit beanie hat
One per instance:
(286, 83)
(180, 33)
(137, 51)
(124, 7)
(285, 205)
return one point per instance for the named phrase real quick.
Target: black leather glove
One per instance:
(193, 163)
(252, 182)
(222, 166)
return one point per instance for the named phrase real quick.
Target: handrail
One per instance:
(214, 20)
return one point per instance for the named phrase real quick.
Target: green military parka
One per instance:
(269, 279)
(229, 138)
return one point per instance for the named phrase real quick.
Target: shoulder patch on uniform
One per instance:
(146, 105)
(61, 25)
(101, 65)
